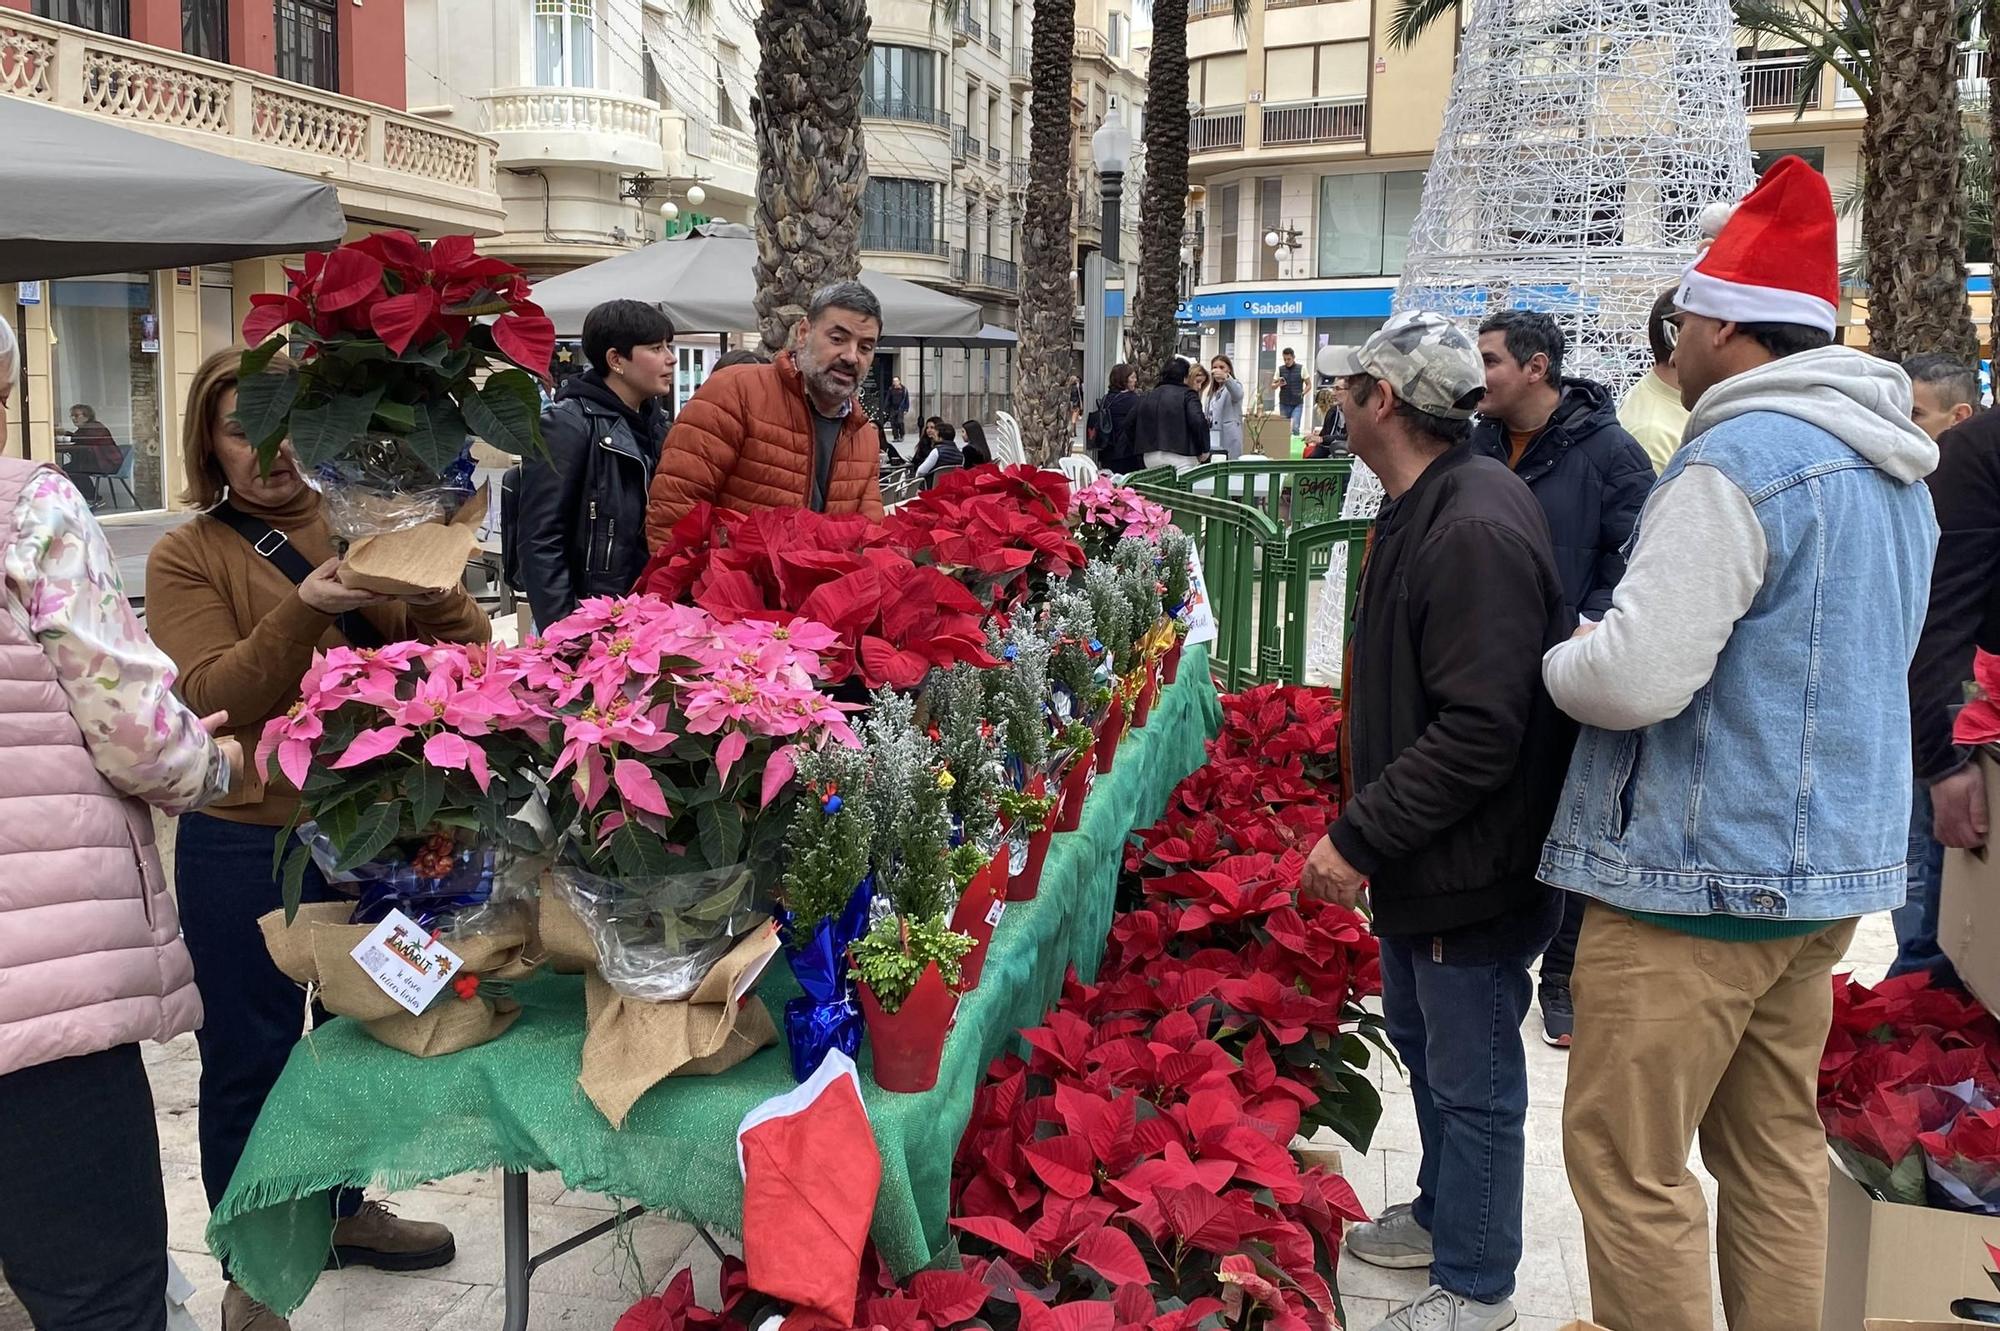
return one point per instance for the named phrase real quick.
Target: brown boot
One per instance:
(376, 1236)
(240, 1312)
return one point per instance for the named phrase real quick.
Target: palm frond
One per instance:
(1414, 18)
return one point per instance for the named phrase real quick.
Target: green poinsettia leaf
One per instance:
(322, 432)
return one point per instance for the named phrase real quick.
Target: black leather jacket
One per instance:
(582, 512)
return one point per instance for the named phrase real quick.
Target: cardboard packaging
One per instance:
(1581, 1326)
(1901, 1266)
(1969, 905)
(430, 557)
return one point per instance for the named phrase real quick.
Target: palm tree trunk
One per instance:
(812, 163)
(1915, 225)
(1048, 238)
(1152, 332)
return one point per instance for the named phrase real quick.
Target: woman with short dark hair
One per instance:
(581, 524)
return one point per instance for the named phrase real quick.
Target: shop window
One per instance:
(107, 388)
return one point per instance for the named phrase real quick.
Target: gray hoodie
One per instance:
(1700, 558)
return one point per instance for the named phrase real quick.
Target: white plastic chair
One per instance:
(1079, 468)
(1006, 440)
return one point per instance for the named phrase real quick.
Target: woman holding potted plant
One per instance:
(241, 597)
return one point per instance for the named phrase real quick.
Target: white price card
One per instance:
(410, 965)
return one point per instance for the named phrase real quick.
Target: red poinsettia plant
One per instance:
(994, 529)
(393, 339)
(896, 619)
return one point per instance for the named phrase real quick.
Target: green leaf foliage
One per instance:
(890, 958)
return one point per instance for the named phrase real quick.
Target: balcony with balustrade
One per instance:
(1780, 84)
(905, 109)
(1092, 45)
(1328, 120)
(998, 274)
(1023, 65)
(574, 127)
(1217, 130)
(722, 157)
(387, 165)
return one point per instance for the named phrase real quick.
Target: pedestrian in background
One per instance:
(1732, 806)
(1456, 757)
(1121, 395)
(1169, 427)
(581, 507)
(91, 959)
(1225, 407)
(899, 408)
(1591, 478)
(240, 598)
(1290, 381)
(1652, 412)
(1948, 807)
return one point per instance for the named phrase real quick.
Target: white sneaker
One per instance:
(1439, 1310)
(1393, 1239)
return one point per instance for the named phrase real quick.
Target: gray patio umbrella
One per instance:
(706, 282)
(79, 195)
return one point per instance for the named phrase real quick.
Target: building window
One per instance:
(1364, 222)
(901, 84)
(899, 215)
(1115, 42)
(565, 44)
(728, 73)
(1270, 217)
(105, 359)
(205, 28)
(218, 308)
(113, 18)
(308, 50)
(1228, 224)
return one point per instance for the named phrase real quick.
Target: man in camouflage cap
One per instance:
(1455, 759)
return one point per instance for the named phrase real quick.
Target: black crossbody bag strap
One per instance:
(277, 547)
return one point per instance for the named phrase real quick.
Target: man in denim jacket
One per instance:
(1734, 800)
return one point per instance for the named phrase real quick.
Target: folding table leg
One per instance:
(514, 1246)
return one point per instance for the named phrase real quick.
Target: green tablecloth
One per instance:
(350, 1112)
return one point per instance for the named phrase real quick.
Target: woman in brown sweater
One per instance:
(243, 635)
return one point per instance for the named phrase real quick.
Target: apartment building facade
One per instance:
(299, 85)
(1310, 138)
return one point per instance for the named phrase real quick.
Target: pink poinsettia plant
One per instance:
(395, 747)
(1105, 512)
(675, 732)
(656, 735)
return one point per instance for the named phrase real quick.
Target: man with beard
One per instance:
(790, 434)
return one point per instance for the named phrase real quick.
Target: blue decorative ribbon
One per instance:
(431, 902)
(825, 1016)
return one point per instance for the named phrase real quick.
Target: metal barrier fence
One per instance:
(1267, 531)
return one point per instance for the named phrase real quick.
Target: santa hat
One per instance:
(1777, 257)
(811, 1172)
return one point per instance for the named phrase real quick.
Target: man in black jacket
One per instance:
(1456, 759)
(1949, 808)
(581, 511)
(1563, 438)
(1167, 428)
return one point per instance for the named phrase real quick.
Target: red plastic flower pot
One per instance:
(1114, 730)
(1023, 884)
(1170, 667)
(1142, 710)
(978, 911)
(908, 1044)
(1076, 788)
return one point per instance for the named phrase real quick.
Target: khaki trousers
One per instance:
(1677, 1035)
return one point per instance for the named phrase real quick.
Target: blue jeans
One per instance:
(1298, 416)
(1916, 919)
(253, 1013)
(1458, 1031)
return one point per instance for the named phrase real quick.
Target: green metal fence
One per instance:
(1259, 561)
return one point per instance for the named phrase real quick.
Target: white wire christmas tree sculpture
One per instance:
(1582, 140)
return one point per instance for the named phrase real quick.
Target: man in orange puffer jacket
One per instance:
(787, 434)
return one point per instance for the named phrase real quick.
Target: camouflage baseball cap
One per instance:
(1425, 357)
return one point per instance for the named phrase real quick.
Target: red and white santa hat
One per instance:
(1776, 258)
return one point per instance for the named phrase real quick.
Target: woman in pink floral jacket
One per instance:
(91, 961)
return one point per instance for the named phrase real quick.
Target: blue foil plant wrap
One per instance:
(391, 883)
(825, 1016)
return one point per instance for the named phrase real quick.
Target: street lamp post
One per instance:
(1111, 151)
(1284, 242)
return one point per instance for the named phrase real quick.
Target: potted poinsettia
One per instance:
(916, 953)
(398, 353)
(824, 900)
(1105, 513)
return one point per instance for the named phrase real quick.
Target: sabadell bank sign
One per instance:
(1274, 309)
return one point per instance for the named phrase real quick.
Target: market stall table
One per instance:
(349, 1111)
